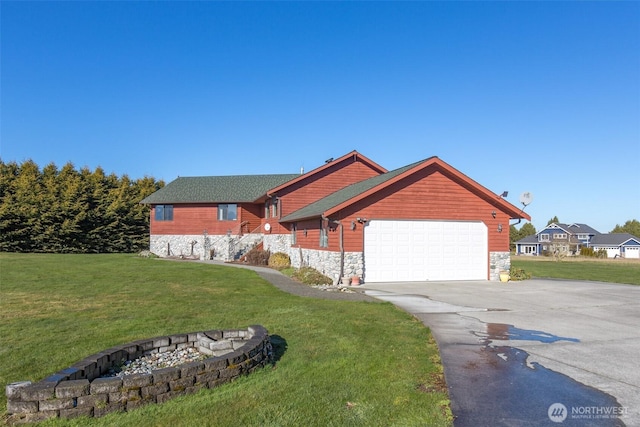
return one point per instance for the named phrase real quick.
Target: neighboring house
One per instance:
(424, 221)
(622, 245)
(570, 238)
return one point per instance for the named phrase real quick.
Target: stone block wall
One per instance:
(499, 261)
(328, 262)
(83, 390)
(278, 243)
(203, 246)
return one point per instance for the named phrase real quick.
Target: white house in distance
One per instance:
(570, 238)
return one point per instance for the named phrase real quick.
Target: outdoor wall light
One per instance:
(361, 220)
(304, 232)
(493, 214)
(499, 228)
(353, 225)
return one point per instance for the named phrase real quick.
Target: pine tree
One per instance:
(72, 211)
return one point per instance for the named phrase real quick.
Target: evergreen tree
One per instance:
(515, 234)
(527, 229)
(68, 210)
(48, 237)
(10, 216)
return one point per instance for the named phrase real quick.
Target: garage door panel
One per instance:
(425, 250)
(632, 252)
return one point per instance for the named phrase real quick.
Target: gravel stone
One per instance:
(147, 364)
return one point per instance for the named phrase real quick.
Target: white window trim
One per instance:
(220, 211)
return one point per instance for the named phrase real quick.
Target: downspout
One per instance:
(341, 250)
(341, 242)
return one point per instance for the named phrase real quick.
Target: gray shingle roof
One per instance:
(217, 189)
(579, 228)
(613, 239)
(528, 240)
(317, 208)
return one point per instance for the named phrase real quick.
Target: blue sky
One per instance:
(521, 96)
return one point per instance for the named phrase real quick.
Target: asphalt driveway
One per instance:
(538, 352)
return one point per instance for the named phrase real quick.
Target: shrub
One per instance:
(279, 260)
(587, 252)
(518, 274)
(601, 253)
(311, 276)
(590, 252)
(257, 256)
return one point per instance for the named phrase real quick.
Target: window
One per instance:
(228, 212)
(543, 238)
(583, 236)
(559, 236)
(324, 235)
(164, 212)
(271, 208)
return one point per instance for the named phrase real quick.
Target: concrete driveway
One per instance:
(538, 352)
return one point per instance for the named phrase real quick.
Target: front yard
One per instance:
(340, 363)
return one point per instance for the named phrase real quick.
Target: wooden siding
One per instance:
(322, 184)
(427, 196)
(196, 218)
(312, 238)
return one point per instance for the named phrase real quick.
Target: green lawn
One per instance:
(614, 271)
(341, 363)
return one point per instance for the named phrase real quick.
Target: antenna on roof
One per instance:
(525, 198)
(301, 170)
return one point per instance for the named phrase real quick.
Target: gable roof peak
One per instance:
(359, 190)
(329, 163)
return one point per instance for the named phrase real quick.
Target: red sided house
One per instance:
(349, 217)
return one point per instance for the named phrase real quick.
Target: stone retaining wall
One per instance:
(81, 390)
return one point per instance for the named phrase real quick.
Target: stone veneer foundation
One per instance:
(81, 390)
(226, 248)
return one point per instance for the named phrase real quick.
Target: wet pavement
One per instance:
(534, 353)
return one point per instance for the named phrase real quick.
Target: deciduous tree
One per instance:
(632, 227)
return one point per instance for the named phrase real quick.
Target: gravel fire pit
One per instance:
(148, 371)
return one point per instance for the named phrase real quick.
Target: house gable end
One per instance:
(305, 192)
(430, 166)
(329, 167)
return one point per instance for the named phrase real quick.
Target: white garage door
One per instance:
(403, 251)
(632, 252)
(612, 251)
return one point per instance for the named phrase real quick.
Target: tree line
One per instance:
(71, 210)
